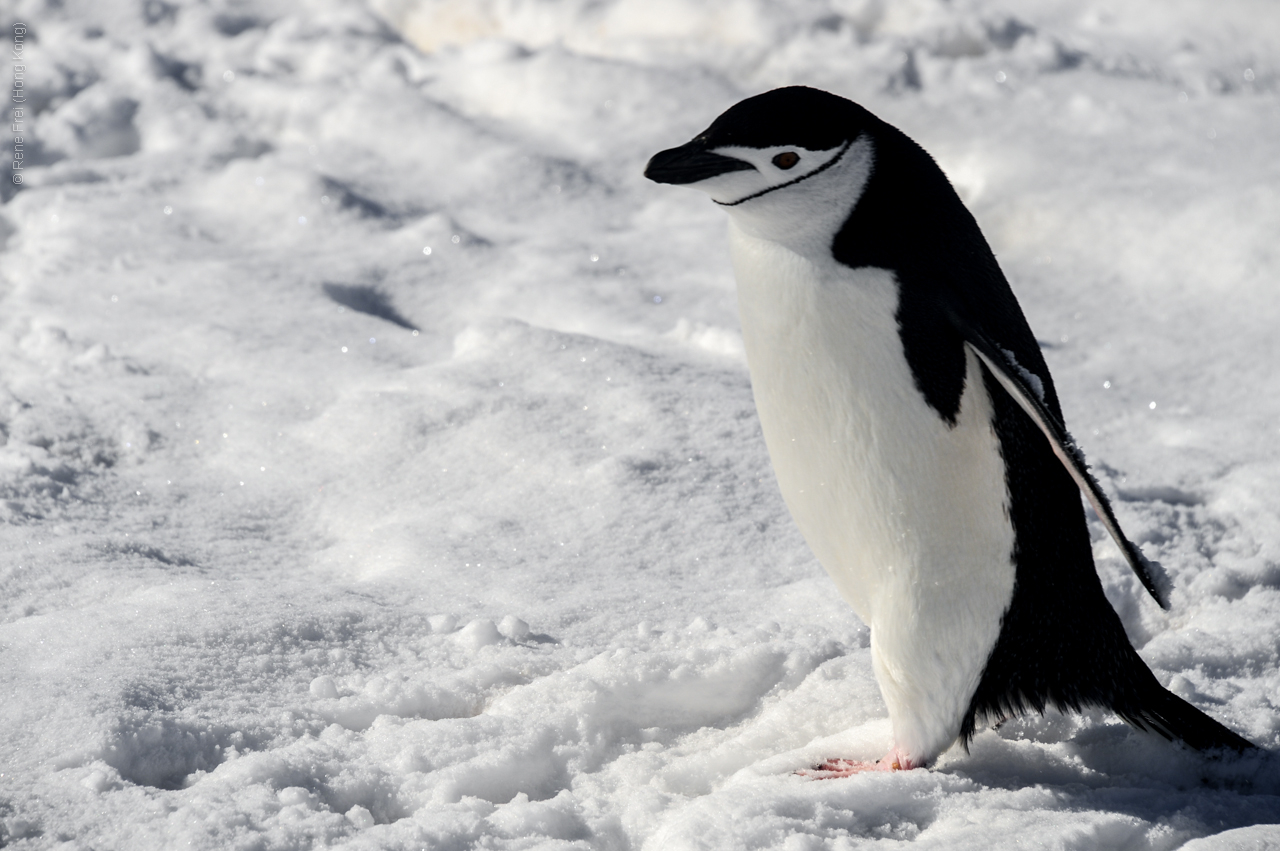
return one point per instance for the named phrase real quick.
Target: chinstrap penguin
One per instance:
(915, 431)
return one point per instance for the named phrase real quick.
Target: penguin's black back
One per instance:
(1060, 643)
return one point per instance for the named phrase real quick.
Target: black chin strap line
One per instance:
(819, 170)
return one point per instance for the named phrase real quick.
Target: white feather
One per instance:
(908, 514)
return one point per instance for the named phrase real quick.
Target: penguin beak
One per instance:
(691, 163)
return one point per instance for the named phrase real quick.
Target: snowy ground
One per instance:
(311, 537)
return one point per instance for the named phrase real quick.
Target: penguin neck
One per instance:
(805, 217)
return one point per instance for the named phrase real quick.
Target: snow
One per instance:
(312, 537)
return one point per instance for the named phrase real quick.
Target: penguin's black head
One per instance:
(766, 143)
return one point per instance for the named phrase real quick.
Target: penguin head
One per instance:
(788, 165)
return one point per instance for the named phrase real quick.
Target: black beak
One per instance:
(689, 164)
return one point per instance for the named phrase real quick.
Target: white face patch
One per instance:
(770, 172)
(801, 207)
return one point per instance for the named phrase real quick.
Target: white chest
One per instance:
(906, 513)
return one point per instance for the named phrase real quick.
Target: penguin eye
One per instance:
(786, 160)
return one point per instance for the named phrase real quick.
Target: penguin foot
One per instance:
(833, 768)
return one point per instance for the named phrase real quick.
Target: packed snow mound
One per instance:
(378, 462)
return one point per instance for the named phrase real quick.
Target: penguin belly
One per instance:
(908, 513)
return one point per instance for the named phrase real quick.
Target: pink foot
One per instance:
(833, 768)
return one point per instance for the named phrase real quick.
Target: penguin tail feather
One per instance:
(1161, 712)
(1168, 715)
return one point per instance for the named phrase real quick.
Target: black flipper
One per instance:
(1017, 382)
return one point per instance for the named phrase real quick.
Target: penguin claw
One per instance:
(834, 768)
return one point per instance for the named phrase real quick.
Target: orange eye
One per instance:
(786, 160)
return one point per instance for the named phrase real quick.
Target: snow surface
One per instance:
(313, 538)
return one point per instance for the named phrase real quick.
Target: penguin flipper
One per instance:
(1025, 388)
